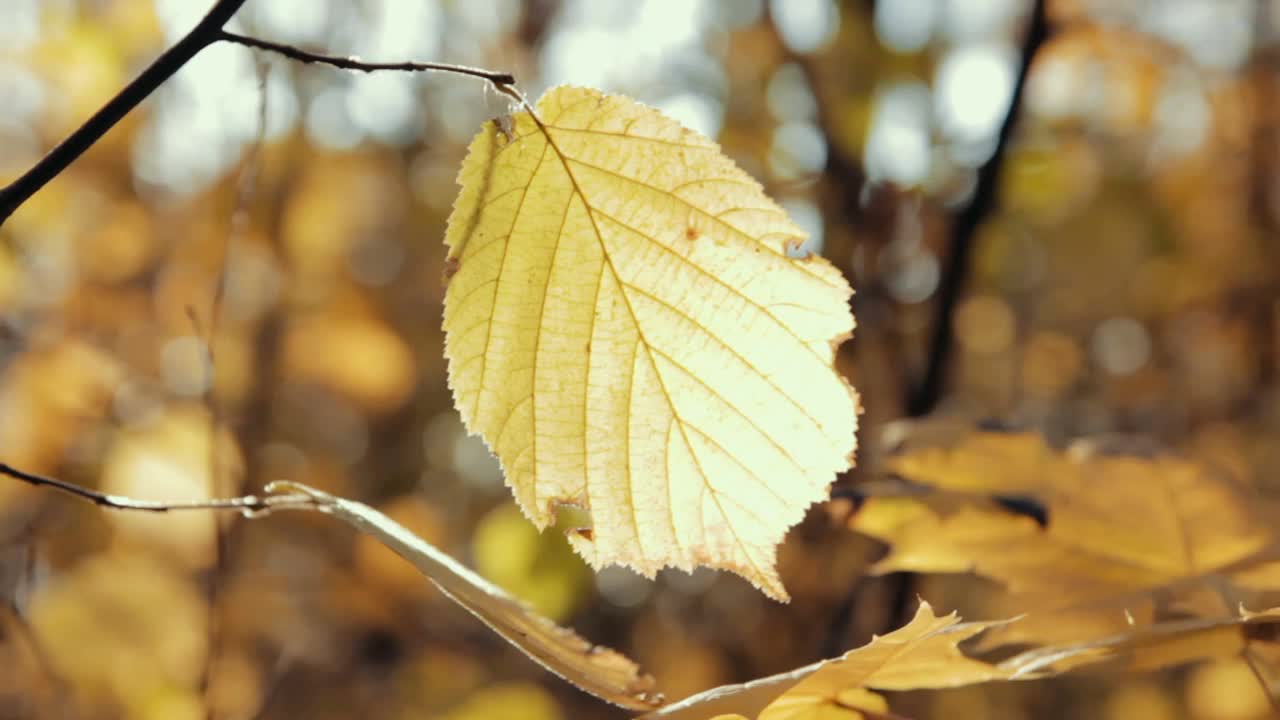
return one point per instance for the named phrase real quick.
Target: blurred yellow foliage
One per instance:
(1227, 691)
(354, 354)
(130, 628)
(517, 701)
(538, 568)
(171, 459)
(1140, 700)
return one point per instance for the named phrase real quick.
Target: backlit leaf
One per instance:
(627, 330)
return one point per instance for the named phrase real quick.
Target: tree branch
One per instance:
(926, 395)
(604, 673)
(251, 504)
(207, 32)
(51, 165)
(498, 79)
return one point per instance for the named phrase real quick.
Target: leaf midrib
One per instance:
(680, 423)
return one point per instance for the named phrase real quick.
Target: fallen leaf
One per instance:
(627, 330)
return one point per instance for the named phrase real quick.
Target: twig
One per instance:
(251, 504)
(498, 79)
(84, 137)
(207, 32)
(926, 395)
(605, 673)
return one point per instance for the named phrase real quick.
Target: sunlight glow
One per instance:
(624, 47)
(805, 25)
(905, 26)
(19, 23)
(898, 144)
(973, 85)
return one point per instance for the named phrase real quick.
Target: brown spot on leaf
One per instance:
(505, 126)
(691, 233)
(451, 267)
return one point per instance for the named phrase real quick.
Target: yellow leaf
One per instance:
(1118, 524)
(923, 654)
(627, 330)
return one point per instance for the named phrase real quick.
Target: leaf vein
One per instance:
(502, 266)
(694, 208)
(732, 351)
(703, 271)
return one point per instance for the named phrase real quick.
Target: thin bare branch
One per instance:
(207, 32)
(251, 504)
(500, 80)
(51, 165)
(924, 397)
(605, 673)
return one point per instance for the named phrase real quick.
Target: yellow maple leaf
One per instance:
(627, 330)
(924, 654)
(1118, 524)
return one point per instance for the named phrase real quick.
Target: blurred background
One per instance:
(286, 222)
